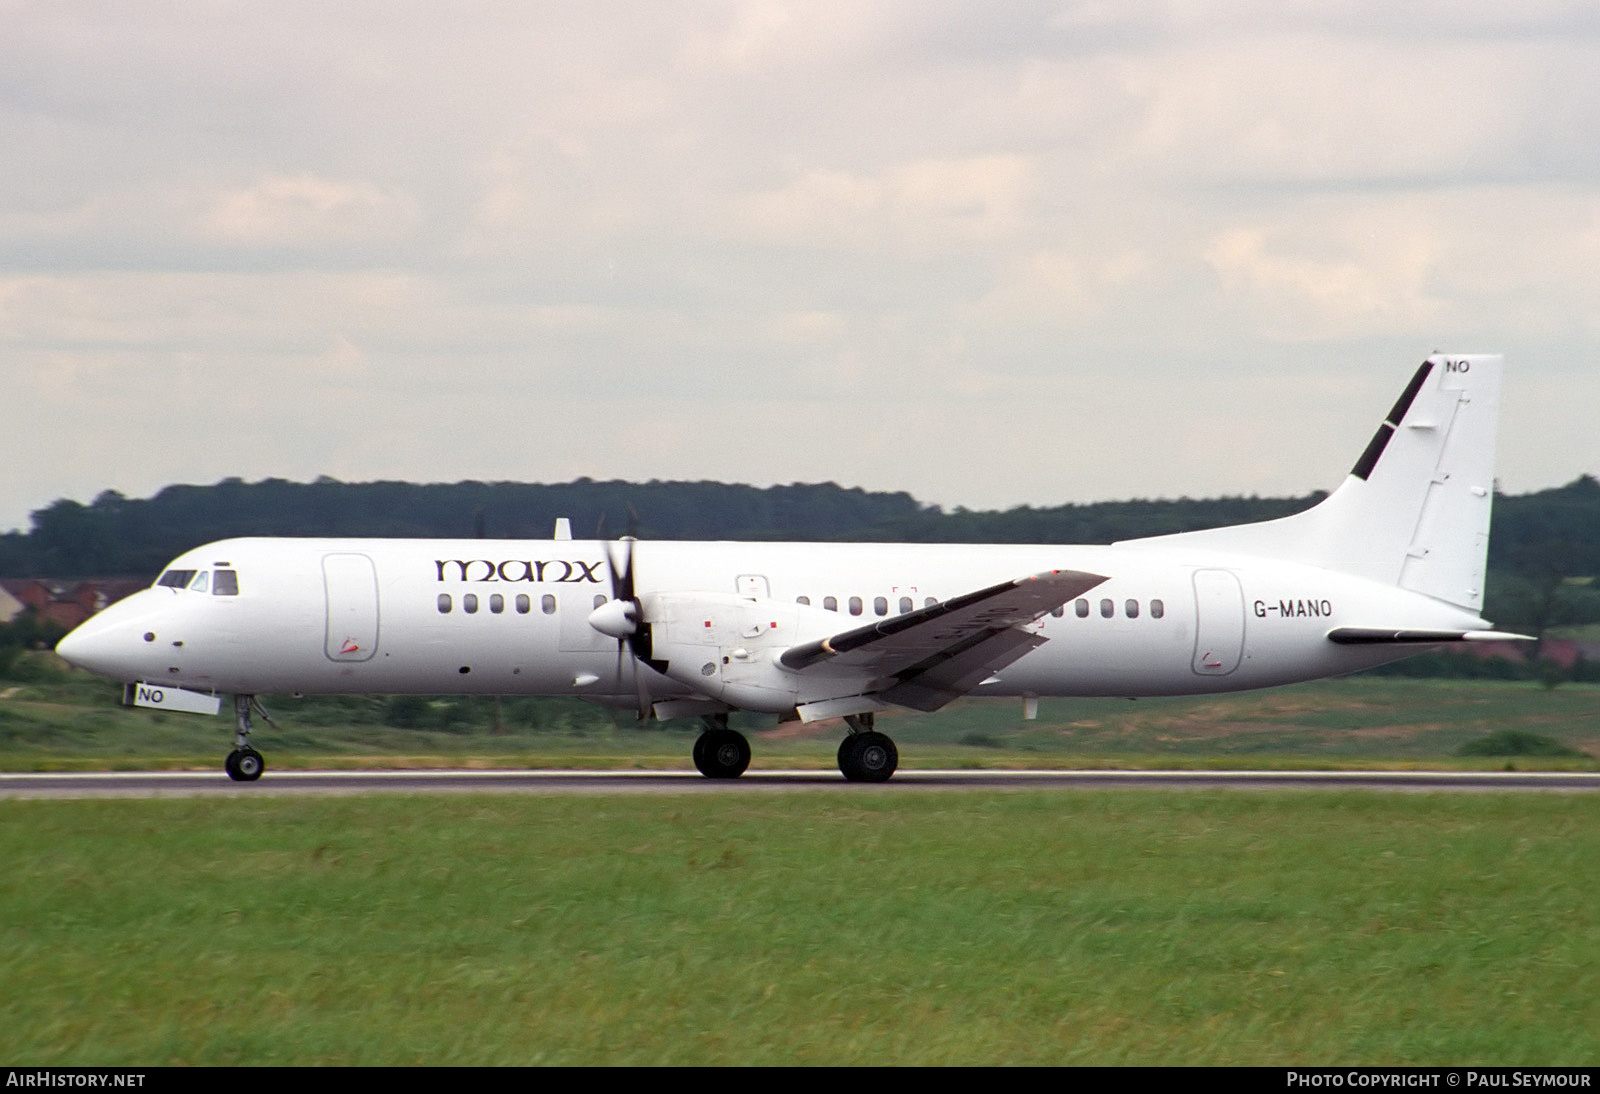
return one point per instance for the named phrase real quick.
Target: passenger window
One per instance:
(1132, 608)
(599, 599)
(880, 605)
(524, 605)
(802, 600)
(200, 583)
(855, 605)
(1082, 608)
(547, 604)
(469, 603)
(831, 603)
(497, 603)
(176, 579)
(444, 603)
(1059, 610)
(905, 604)
(1108, 608)
(1157, 609)
(930, 602)
(225, 583)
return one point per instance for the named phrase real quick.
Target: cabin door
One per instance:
(351, 583)
(1219, 622)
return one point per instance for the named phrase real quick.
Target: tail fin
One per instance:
(1414, 510)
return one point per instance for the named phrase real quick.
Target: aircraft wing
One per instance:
(934, 654)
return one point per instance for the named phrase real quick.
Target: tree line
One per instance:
(1540, 542)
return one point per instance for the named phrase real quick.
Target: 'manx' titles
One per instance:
(518, 569)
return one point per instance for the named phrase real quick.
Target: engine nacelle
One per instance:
(727, 646)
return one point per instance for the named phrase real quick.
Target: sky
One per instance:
(1027, 253)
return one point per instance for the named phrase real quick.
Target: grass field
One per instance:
(68, 721)
(865, 925)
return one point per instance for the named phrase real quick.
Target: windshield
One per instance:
(220, 582)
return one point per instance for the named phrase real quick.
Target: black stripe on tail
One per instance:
(1380, 439)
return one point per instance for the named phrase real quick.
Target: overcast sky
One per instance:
(990, 254)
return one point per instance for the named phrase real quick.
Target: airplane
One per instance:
(1390, 564)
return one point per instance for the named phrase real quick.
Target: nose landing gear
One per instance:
(244, 764)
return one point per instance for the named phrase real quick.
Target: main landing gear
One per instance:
(244, 764)
(720, 752)
(866, 756)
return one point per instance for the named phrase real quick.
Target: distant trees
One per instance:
(1540, 541)
(117, 536)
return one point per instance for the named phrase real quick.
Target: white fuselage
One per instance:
(513, 617)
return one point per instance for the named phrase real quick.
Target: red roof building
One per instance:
(64, 603)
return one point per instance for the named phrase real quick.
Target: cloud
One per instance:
(306, 211)
(1065, 287)
(1493, 261)
(1344, 295)
(922, 204)
(942, 245)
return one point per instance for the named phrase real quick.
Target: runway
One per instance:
(172, 784)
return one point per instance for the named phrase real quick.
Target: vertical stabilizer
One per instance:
(1414, 510)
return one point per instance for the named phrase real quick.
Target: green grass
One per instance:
(1516, 742)
(61, 720)
(872, 925)
(68, 721)
(1336, 724)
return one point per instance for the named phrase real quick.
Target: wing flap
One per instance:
(931, 684)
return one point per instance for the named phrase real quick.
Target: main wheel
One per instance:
(868, 757)
(721, 753)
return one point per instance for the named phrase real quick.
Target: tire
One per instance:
(721, 754)
(868, 757)
(249, 765)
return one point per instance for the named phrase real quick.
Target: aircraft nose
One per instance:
(89, 647)
(103, 644)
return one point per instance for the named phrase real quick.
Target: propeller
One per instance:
(622, 618)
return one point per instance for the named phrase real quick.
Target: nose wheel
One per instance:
(244, 764)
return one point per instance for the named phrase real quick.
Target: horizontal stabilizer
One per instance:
(1377, 636)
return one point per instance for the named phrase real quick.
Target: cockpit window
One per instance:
(225, 583)
(176, 579)
(201, 583)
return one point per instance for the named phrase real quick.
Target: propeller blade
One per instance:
(621, 576)
(643, 691)
(622, 617)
